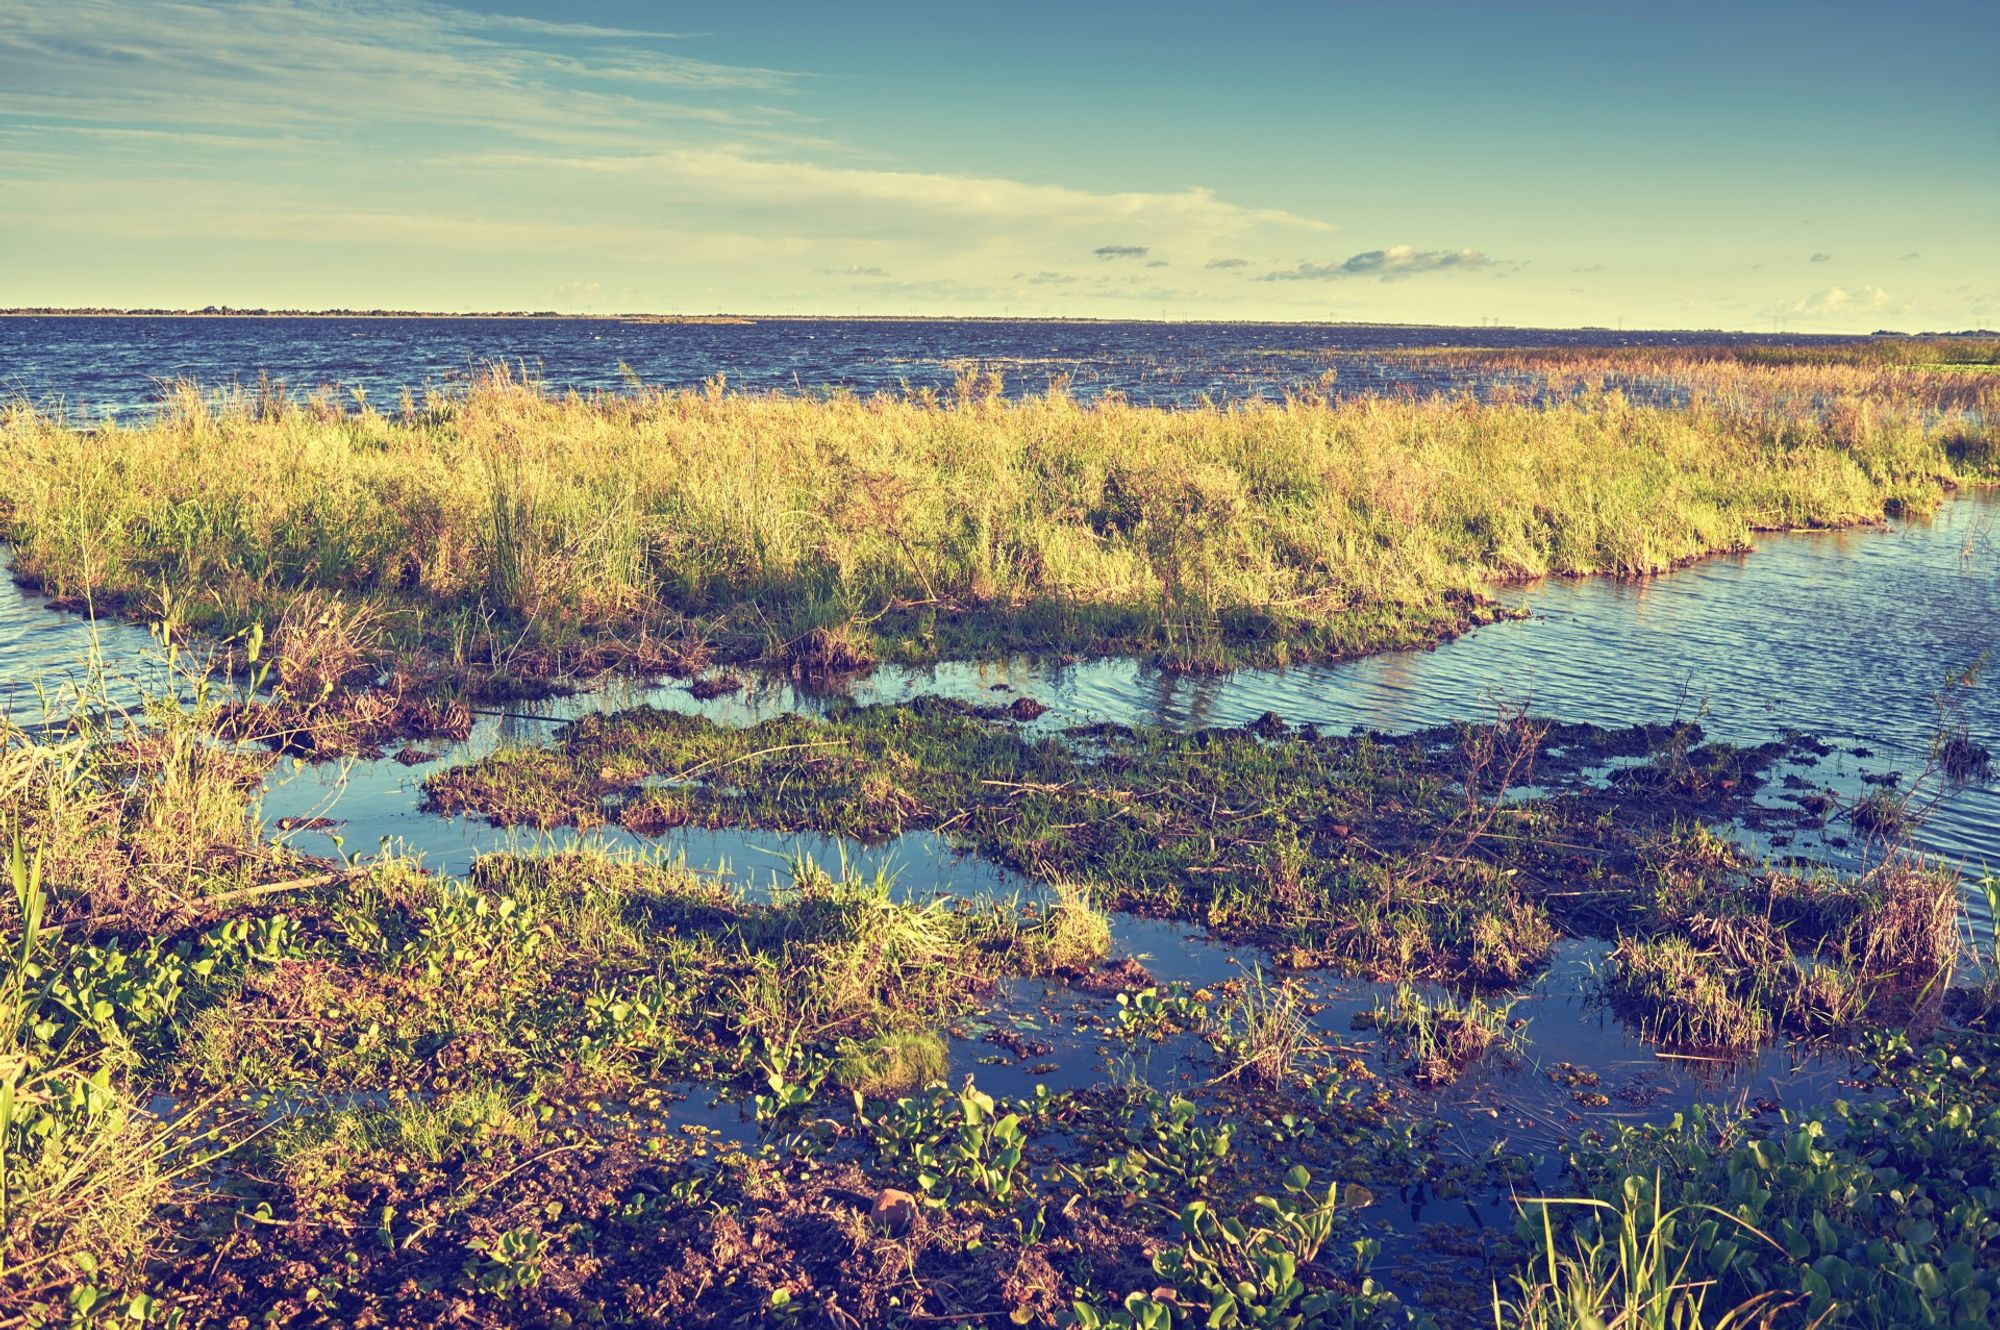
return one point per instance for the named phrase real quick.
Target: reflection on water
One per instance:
(1847, 636)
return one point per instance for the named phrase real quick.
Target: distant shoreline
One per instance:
(552, 316)
(546, 315)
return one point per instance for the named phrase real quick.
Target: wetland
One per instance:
(1506, 852)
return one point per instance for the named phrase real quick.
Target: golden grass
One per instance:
(510, 525)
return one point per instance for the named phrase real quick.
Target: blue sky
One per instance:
(1817, 167)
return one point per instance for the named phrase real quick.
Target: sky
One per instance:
(1807, 167)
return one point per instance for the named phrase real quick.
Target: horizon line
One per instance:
(726, 317)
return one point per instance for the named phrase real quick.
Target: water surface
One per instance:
(89, 366)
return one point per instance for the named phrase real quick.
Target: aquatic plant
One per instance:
(1169, 1150)
(1232, 1273)
(958, 1147)
(1437, 1036)
(483, 1097)
(1631, 1269)
(1355, 851)
(1153, 1014)
(1983, 944)
(1263, 1033)
(82, 1170)
(1875, 1215)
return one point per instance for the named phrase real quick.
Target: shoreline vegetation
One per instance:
(506, 538)
(577, 1084)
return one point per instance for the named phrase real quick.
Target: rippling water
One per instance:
(93, 365)
(1846, 636)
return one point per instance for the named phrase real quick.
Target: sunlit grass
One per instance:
(510, 529)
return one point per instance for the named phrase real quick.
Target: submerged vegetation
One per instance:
(378, 1095)
(570, 1084)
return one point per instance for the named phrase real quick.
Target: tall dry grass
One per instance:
(508, 520)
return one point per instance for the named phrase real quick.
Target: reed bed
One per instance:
(507, 528)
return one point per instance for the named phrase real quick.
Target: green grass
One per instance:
(511, 534)
(1730, 952)
(414, 1097)
(1398, 858)
(1439, 1037)
(1875, 1213)
(241, 1086)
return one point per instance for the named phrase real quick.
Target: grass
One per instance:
(242, 1086)
(505, 535)
(1875, 1213)
(1983, 944)
(400, 1024)
(1731, 952)
(1397, 858)
(888, 1065)
(1630, 1270)
(1440, 1037)
(1071, 936)
(1264, 1032)
(423, 1096)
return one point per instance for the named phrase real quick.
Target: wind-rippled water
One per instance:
(89, 366)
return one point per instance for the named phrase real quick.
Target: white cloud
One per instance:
(1838, 300)
(739, 173)
(279, 121)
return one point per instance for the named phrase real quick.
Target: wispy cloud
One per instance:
(1397, 261)
(1217, 265)
(746, 174)
(270, 67)
(276, 120)
(1821, 257)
